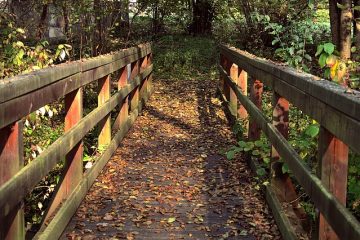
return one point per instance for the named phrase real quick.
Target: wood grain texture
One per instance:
(341, 220)
(11, 161)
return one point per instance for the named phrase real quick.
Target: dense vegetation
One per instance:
(317, 36)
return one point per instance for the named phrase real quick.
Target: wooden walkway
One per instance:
(170, 180)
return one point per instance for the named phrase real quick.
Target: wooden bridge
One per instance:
(166, 178)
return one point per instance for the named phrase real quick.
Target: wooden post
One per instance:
(242, 83)
(12, 225)
(150, 77)
(134, 96)
(280, 119)
(233, 105)
(143, 86)
(281, 182)
(104, 89)
(256, 91)
(124, 107)
(333, 157)
(227, 67)
(73, 169)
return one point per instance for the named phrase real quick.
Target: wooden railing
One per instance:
(338, 114)
(22, 95)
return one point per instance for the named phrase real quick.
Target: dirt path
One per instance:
(170, 180)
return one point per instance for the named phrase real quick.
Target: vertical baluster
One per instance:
(256, 91)
(74, 159)
(149, 80)
(143, 84)
(104, 89)
(227, 67)
(124, 107)
(134, 96)
(11, 161)
(282, 182)
(242, 83)
(333, 162)
(233, 101)
(73, 168)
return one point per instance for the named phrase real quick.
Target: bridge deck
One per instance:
(169, 180)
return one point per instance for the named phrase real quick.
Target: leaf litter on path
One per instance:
(168, 180)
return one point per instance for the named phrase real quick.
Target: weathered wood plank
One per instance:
(17, 108)
(23, 84)
(58, 224)
(243, 85)
(104, 89)
(234, 74)
(134, 96)
(328, 92)
(72, 172)
(11, 161)
(339, 124)
(333, 162)
(341, 220)
(256, 91)
(32, 173)
(124, 107)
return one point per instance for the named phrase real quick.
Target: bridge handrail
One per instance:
(22, 95)
(337, 112)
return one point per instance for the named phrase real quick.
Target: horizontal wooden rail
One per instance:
(37, 90)
(24, 94)
(310, 96)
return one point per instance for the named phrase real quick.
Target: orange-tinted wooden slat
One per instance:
(333, 157)
(73, 169)
(104, 89)
(134, 96)
(124, 107)
(256, 91)
(11, 160)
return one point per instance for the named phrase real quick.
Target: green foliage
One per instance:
(18, 57)
(292, 40)
(184, 55)
(336, 69)
(259, 149)
(353, 200)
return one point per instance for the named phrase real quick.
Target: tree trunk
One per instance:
(334, 12)
(98, 42)
(345, 32)
(42, 22)
(66, 20)
(357, 31)
(203, 15)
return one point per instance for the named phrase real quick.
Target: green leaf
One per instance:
(255, 152)
(230, 155)
(322, 59)
(312, 130)
(308, 57)
(274, 41)
(329, 48)
(327, 73)
(356, 8)
(261, 172)
(242, 144)
(291, 50)
(266, 160)
(259, 143)
(342, 7)
(285, 168)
